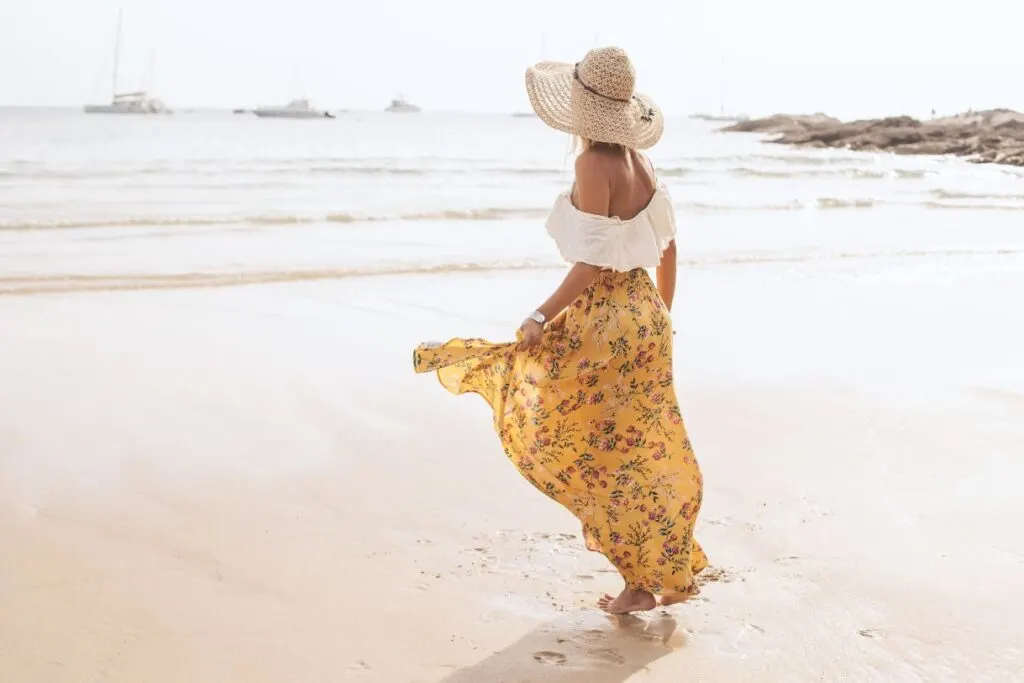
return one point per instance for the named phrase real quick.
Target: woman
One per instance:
(584, 402)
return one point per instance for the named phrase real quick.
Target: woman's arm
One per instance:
(593, 196)
(666, 275)
(575, 283)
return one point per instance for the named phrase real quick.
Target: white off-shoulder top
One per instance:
(610, 242)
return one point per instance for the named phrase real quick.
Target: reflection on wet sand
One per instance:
(586, 647)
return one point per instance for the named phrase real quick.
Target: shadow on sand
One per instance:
(585, 647)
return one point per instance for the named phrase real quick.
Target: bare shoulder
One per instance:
(593, 166)
(648, 166)
(596, 169)
(647, 162)
(593, 182)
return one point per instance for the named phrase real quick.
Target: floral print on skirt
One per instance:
(590, 418)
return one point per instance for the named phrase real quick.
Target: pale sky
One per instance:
(852, 59)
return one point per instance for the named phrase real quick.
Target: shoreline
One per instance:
(994, 136)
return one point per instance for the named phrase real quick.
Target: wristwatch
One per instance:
(537, 317)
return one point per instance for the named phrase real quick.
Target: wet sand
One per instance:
(249, 483)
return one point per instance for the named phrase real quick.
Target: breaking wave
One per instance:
(284, 169)
(27, 285)
(482, 214)
(960, 194)
(792, 205)
(855, 173)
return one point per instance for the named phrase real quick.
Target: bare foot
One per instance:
(629, 600)
(674, 598)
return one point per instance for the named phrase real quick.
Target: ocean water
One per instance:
(109, 202)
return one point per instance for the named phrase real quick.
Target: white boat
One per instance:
(296, 109)
(721, 116)
(401, 105)
(128, 102)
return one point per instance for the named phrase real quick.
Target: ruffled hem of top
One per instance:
(612, 243)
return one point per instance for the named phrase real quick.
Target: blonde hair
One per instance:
(579, 145)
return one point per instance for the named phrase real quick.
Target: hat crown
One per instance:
(595, 99)
(607, 71)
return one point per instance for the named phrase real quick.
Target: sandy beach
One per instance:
(250, 484)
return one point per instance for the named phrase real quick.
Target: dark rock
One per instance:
(1013, 127)
(991, 136)
(901, 136)
(868, 142)
(894, 122)
(931, 147)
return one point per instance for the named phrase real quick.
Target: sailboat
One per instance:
(402, 106)
(126, 102)
(722, 116)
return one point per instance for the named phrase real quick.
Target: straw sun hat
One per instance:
(595, 99)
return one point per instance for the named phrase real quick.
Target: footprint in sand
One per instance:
(549, 657)
(608, 655)
(717, 575)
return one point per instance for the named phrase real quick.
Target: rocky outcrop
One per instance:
(993, 136)
(782, 123)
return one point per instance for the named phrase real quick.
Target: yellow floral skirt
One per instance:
(590, 418)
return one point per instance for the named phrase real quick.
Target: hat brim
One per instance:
(562, 103)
